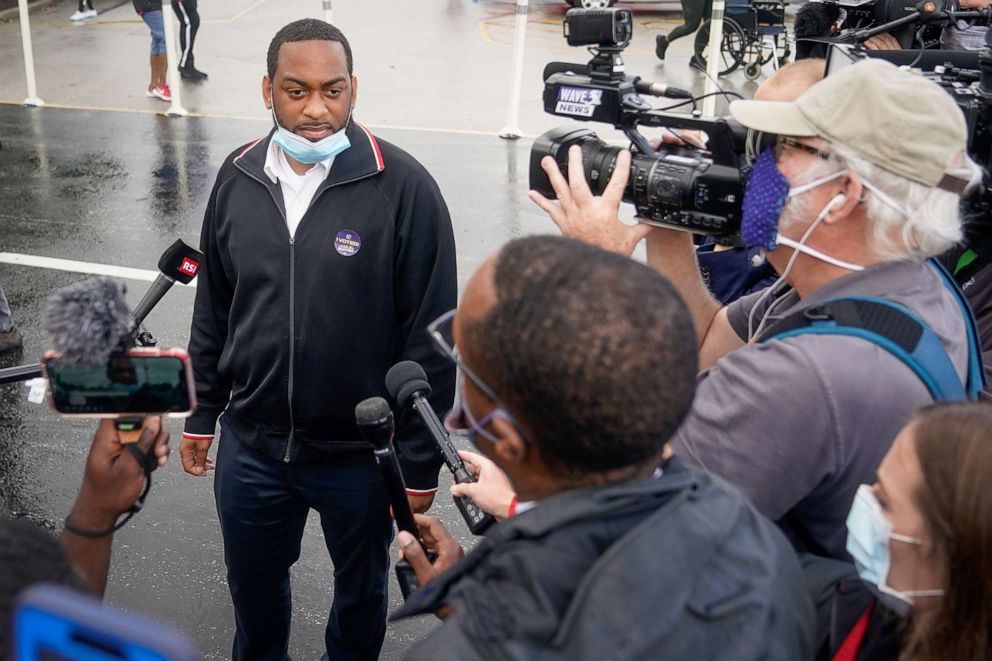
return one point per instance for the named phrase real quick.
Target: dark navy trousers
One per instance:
(263, 506)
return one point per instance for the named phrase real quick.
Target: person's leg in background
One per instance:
(84, 10)
(262, 520)
(694, 12)
(189, 25)
(10, 334)
(354, 514)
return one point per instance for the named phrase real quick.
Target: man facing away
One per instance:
(576, 367)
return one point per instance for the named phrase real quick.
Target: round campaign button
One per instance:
(347, 243)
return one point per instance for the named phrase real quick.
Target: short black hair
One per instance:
(28, 555)
(593, 353)
(306, 29)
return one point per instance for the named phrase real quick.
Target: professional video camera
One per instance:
(966, 76)
(699, 190)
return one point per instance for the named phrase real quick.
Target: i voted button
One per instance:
(347, 243)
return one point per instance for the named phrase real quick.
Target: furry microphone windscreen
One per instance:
(87, 320)
(815, 18)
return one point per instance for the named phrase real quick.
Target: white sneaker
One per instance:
(90, 13)
(79, 15)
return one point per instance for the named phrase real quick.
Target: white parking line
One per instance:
(73, 266)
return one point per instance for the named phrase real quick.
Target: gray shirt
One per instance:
(798, 424)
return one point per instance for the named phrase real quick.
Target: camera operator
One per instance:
(112, 483)
(730, 272)
(576, 366)
(864, 184)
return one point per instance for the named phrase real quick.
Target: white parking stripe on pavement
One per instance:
(73, 266)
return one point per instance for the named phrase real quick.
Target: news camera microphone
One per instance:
(86, 321)
(179, 262)
(642, 86)
(375, 423)
(407, 383)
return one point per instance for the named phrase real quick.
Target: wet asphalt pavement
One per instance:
(118, 189)
(100, 178)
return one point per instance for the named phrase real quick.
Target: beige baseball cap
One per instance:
(891, 117)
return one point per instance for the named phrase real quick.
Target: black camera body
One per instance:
(698, 190)
(676, 186)
(603, 27)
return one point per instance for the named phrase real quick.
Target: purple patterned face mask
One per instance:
(764, 198)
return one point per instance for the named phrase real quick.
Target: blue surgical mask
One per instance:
(764, 198)
(868, 534)
(304, 151)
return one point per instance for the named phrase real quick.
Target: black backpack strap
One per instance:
(976, 371)
(888, 325)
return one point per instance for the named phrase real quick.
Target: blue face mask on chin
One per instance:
(305, 151)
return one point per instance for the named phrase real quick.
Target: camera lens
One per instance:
(682, 187)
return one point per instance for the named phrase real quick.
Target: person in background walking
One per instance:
(189, 25)
(84, 11)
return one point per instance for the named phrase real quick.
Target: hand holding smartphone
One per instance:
(127, 387)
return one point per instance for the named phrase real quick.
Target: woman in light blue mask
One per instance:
(922, 534)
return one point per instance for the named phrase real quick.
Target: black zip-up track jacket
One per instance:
(289, 334)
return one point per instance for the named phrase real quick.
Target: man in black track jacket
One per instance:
(327, 253)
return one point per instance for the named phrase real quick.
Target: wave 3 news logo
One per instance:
(578, 101)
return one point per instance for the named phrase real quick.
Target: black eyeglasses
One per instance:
(461, 420)
(783, 141)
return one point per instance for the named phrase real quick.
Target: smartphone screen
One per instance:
(125, 384)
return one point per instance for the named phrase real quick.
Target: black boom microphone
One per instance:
(179, 262)
(375, 423)
(407, 383)
(642, 86)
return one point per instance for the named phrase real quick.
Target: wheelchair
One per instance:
(754, 34)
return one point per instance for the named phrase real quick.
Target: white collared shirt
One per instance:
(297, 189)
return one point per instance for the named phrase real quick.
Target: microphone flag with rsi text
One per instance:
(179, 263)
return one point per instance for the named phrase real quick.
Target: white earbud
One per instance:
(837, 200)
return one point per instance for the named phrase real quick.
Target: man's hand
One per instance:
(883, 41)
(112, 482)
(113, 479)
(420, 502)
(437, 538)
(581, 215)
(491, 491)
(193, 453)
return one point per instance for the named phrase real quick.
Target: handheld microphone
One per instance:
(375, 423)
(179, 262)
(407, 383)
(642, 86)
